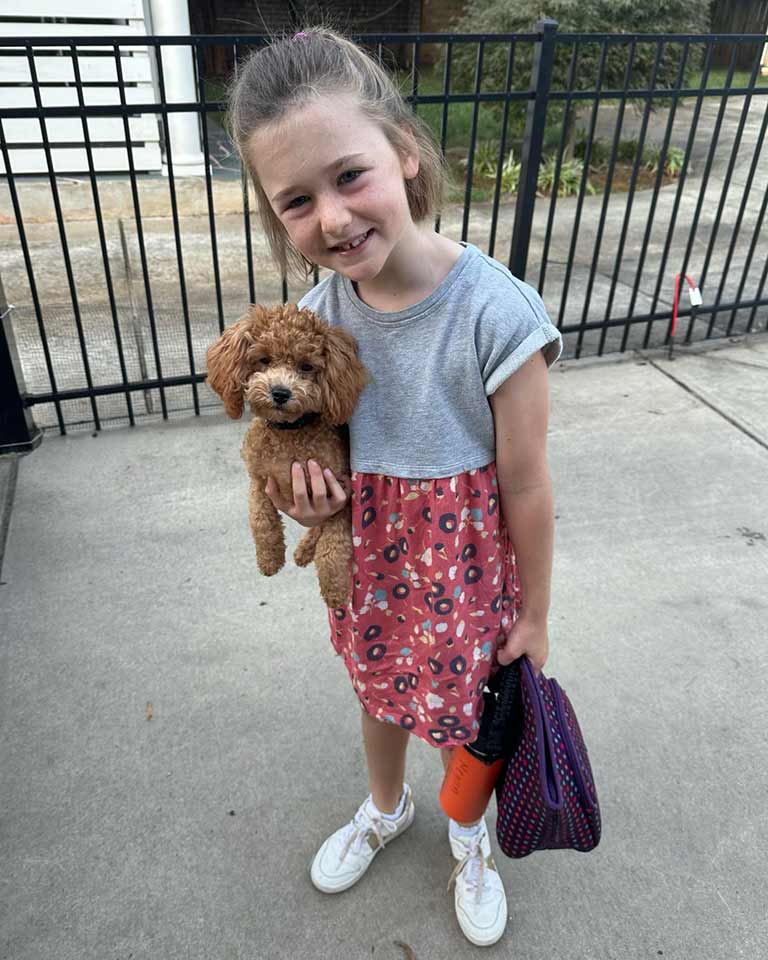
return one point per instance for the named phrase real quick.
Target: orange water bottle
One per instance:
(475, 767)
(468, 784)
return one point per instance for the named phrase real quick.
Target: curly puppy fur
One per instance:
(283, 363)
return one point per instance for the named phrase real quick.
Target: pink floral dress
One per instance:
(435, 589)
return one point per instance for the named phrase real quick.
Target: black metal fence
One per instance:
(600, 168)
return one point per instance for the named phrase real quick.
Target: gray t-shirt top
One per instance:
(433, 365)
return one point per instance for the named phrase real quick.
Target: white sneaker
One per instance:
(347, 854)
(481, 904)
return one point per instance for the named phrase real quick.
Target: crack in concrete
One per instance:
(702, 399)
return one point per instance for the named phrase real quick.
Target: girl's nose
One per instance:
(334, 218)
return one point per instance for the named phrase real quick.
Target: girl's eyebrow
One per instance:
(341, 162)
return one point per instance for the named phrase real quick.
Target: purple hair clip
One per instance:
(301, 35)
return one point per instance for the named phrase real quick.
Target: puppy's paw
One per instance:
(269, 566)
(304, 553)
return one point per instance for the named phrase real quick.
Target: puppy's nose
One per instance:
(280, 395)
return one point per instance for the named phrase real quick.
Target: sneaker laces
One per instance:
(356, 832)
(474, 861)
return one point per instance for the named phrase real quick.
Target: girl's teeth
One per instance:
(356, 243)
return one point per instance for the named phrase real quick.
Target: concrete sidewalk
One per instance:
(130, 590)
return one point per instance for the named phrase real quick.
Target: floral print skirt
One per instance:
(435, 589)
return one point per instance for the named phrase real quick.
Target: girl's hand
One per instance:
(526, 637)
(328, 496)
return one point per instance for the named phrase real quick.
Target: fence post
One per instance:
(18, 433)
(533, 139)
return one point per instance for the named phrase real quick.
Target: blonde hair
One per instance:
(287, 74)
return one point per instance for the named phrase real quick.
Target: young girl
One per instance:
(448, 461)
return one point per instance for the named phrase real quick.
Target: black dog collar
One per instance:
(303, 421)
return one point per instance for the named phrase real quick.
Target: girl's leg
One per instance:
(445, 755)
(385, 746)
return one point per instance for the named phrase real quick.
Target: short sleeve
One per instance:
(508, 334)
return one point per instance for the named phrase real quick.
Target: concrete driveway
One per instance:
(176, 736)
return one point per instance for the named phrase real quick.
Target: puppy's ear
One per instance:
(344, 376)
(226, 361)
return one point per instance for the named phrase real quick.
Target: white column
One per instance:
(171, 18)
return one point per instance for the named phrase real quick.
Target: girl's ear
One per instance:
(409, 159)
(226, 361)
(411, 166)
(343, 378)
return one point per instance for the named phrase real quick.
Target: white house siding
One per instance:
(54, 66)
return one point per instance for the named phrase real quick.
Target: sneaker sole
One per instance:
(483, 943)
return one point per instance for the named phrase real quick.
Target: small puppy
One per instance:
(301, 379)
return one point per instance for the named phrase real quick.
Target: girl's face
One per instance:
(332, 177)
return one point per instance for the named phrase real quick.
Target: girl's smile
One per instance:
(355, 247)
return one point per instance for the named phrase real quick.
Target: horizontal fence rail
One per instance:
(600, 168)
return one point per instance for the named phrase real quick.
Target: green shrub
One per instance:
(627, 151)
(673, 162)
(569, 182)
(599, 155)
(486, 165)
(586, 16)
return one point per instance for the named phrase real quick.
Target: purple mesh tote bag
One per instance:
(546, 793)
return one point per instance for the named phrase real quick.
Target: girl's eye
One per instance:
(298, 201)
(306, 368)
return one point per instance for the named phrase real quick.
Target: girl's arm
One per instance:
(520, 411)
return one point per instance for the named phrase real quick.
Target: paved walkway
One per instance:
(176, 737)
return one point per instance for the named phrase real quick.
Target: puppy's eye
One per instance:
(264, 360)
(306, 367)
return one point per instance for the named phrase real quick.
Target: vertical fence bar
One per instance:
(580, 201)
(705, 181)
(246, 214)
(631, 191)
(742, 209)
(759, 291)
(702, 278)
(472, 140)
(533, 139)
(680, 184)
(558, 164)
(140, 230)
(101, 231)
(502, 149)
(203, 107)
(62, 233)
(752, 247)
(444, 120)
(415, 75)
(176, 225)
(607, 194)
(31, 278)
(654, 199)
